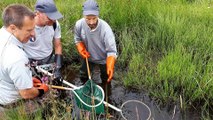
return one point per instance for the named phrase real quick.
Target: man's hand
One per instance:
(110, 62)
(57, 71)
(36, 82)
(82, 50)
(42, 88)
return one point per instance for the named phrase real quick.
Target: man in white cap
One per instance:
(47, 35)
(96, 41)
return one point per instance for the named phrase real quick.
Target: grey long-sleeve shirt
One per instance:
(99, 42)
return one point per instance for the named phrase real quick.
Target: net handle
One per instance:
(60, 87)
(88, 70)
(75, 87)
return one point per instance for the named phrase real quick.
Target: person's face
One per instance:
(91, 21)
(24, 33)
(44, 20)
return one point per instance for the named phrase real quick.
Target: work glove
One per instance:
(110, 62)
(82, 50)
(57, 71)
(36, 81)
(42, 88)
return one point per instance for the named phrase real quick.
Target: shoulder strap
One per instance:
(54, 26)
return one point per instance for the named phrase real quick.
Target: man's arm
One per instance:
(111, 52)
(58, 46)
(29, 93)
(58, 62)
(38, 89)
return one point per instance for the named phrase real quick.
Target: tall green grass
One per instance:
(170, 53)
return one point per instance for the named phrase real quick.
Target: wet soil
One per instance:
(118, 94)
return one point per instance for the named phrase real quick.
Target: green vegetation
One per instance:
(165, 46)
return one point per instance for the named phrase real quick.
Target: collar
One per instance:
(12, 39)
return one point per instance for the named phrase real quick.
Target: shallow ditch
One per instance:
(118, 94)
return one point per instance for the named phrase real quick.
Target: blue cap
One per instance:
(90, 7)
(48, 7)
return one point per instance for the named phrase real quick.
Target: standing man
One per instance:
(15, 76)
(95, 40)
(47, 34)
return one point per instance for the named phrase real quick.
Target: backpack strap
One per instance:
(54, 25)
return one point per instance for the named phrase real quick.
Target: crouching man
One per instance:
(16, 82)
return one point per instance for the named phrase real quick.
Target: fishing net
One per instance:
(135, 110)
(90, 97)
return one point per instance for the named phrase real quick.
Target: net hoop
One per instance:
(137, 101)
(92, 106)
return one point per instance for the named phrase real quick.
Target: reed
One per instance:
(171, 53)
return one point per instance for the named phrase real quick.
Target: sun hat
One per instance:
(90, 7)
(48, 7)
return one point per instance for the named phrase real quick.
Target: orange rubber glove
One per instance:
(44, 87)
(110, 62)
(39, 85)
(82, 50)
(36, 82)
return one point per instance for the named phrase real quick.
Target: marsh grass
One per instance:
(170, 52)
(19, 114)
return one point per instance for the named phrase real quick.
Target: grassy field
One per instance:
(165, 46)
